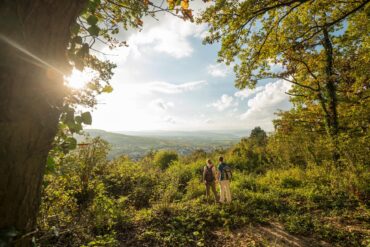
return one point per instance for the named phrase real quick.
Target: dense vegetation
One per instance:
(160, 200)
(311, 174)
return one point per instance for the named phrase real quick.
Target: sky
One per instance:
(168, 80)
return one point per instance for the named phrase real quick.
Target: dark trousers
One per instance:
(211, 185)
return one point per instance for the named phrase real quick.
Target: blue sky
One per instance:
(167, 80)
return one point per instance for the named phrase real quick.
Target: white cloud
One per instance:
(246, 93)
(170, 39)
(144, 97)
(223, 103)
(218, 70)
(262, 107)
(154, 88)
(169, 36)
(202, 32)
(169, 120)
(161, 104)
(170, 88)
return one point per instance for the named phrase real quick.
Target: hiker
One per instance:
(224, 177)
(209, 178)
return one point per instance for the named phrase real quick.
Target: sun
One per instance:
(79, 79)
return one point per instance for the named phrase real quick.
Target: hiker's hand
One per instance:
(205, 182)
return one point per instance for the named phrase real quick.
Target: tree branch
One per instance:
(296, 95)
(297, 83)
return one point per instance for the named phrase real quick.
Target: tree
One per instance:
(198, 154)
(258, 136)
(250, 153)
(164, 158)
(40, 43)
(299, 139)
(302, 38)
(31, 97)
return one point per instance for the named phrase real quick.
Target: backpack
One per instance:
(226, 173)
(209, 176)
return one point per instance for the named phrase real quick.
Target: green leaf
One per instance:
(71, 143)
(75, 28)
(93, 4)
(171, 5)
(77, 40)
(50, 164)
(92, 86)
(69, 118)
(84, 51)
(74, 127)
(200, 243)
(92, 20)
(107, 89)
(50, 161)
(78, 119)
(86, 118)
(93, 30)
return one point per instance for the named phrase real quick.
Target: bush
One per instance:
(195, 189)
(289, 182)
(164, 158)
(132, 180)
(299, 224)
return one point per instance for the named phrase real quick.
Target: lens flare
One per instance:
(79, 79)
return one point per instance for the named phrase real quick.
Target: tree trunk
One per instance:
(330, 86)
(331, 96)
(34, 37)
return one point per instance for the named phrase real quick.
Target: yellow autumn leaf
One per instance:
(171, 4)
(139, 22)
(185, 4)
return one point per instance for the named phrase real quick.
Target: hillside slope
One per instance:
(183, 142)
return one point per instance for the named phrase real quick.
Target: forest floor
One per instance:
(271, 234)
(346, 229)
(262, 235)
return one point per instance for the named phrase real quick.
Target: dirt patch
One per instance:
(264, 235)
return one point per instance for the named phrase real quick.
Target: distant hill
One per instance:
(214, 135)
(137, 144)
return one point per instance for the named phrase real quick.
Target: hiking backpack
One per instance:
(227, 174)
(208, 176)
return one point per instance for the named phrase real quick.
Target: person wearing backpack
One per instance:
(224, 176)
(209, 178)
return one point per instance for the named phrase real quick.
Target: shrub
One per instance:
(194, 189)
(299, 224)
(164, 158)
(133, 181)
(290, 182)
